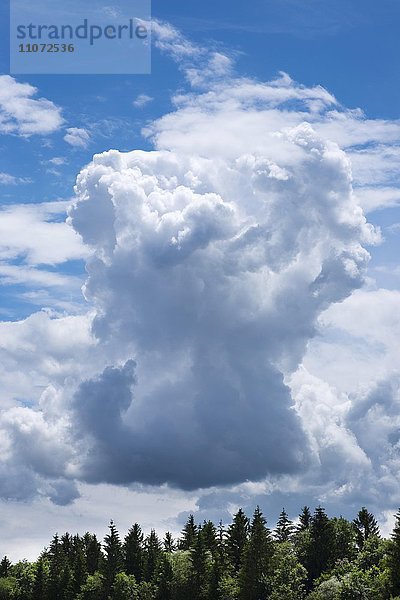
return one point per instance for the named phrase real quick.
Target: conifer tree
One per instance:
(113, 562)
(66, 544)
(284, 528)
(321, 544)
(188, 535)
(67, 583)
(39, 590)
(221, 556)
(93, 553)
(209, 534)
(79, 567)
(366, 526)
(152, 555)
(305, 519)
(394, 557)
(5, 566)
(199, 570)
(165, 580)
(168, 543)
(219, 565)
(236, 539)
(56, 567)
(256, 559)
(134, 552)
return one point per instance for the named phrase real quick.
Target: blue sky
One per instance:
(249, 265)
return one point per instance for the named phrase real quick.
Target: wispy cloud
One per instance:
(7, 179)
(77, 137)
(38, 234)
(32, 276)
(142, 100)
(202, 66)
(58, 161)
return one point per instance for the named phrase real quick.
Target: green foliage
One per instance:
(209, 536)
(323, 559)
(24, 573)
(373, 553)
(168, 542)
(5, 567)
(368, 585)
(152, 556)
(344, 540)
(57, 564)
(365, 526)
(93, 588)
(321, 543)
(79, 565)
(40, 582)
(181, 567)
(284, 528)
(147, 591)
(327, 590)
(8, 586)
(236, 539)
(94, 556)
(165, 579)
(189, 534)
(394, 558)
(113, 563)
(287, 577)
(256, 558)
(124, 588)
(134, 552)
(305, 519)
(199, 569)
(228, 588)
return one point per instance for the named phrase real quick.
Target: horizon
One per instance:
(200, 274)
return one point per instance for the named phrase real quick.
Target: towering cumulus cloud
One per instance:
(207, 277)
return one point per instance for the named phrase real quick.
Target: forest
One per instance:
(317, 557)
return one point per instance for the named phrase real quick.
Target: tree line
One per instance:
(318, 558)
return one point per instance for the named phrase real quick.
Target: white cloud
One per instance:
(200, 65)
(77, 137)
(377, 164)
(24, 115)
(358, 341)
(58, 161)
(13, 274)
(7, 179)
(217, 267)
(233, 114)
(378, 197)
(356, 387)
(142, 100)
(34, 240)
(39, 234)
(251, 144)
(37, 355)
(204, 276)
(43, 349)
